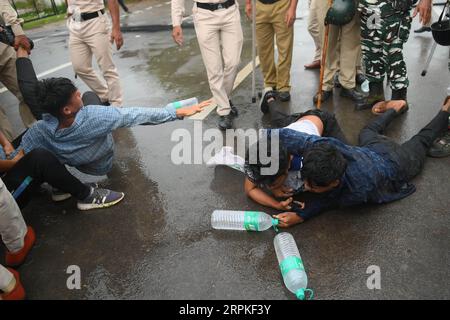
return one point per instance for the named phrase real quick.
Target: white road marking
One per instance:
(45, 73)
(149, 8)
(40, 39)
(138, 12)
(244, 73)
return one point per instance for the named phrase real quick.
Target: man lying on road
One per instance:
(267, 190)
(378, 171)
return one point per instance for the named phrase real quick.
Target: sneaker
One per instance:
(441, 147)
(17, 258)
(100, 198)
(58, 195)
(18, 292)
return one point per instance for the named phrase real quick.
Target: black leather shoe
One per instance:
(225, 122)
(284, 96)
(352, 94)
(325, 96)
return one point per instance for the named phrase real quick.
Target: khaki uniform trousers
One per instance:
(344, 54)
(89, 38)
(12, 229)
(270, 24)
(317, 12)
(219, 35)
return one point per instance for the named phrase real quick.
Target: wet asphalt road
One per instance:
(158, 243)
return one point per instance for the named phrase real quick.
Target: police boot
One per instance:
(376, 94)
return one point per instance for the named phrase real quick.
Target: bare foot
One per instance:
(383, 106)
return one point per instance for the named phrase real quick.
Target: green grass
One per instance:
(43, 21)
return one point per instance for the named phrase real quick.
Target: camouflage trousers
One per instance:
(382, 40)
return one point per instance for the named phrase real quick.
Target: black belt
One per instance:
(268, 1)
(91, 15)
(216, 6)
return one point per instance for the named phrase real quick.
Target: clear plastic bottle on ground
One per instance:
(242, 220)
(184, 103)
(291, 265)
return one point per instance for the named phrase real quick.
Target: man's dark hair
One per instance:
(253, 169)
(54, 94)
(323, 164)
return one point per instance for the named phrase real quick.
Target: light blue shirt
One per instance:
(88, 143)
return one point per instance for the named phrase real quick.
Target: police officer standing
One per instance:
(219, 33)
(8, 74)
(275, 19)
(90, 34)
(385, 27)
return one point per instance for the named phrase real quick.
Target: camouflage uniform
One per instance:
(384, 30)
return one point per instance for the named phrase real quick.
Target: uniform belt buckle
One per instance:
(219, 6)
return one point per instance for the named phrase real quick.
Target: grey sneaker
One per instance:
(100, 198)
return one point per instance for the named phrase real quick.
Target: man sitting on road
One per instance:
(378, 171)
(78, 131)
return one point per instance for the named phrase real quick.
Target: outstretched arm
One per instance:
(100, 120)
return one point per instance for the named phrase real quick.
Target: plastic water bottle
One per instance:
(291, 265)
(184, 103)
(242, 220)
(365, 86)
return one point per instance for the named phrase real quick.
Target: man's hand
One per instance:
(288, 219)
(177, 35)
(248, 9)
(116, 36)
(423, 8)
(282, 192)
(290, 17)
(8, 148)
(189, 111)
(18, 156)
(285, 205)
(22, 41)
